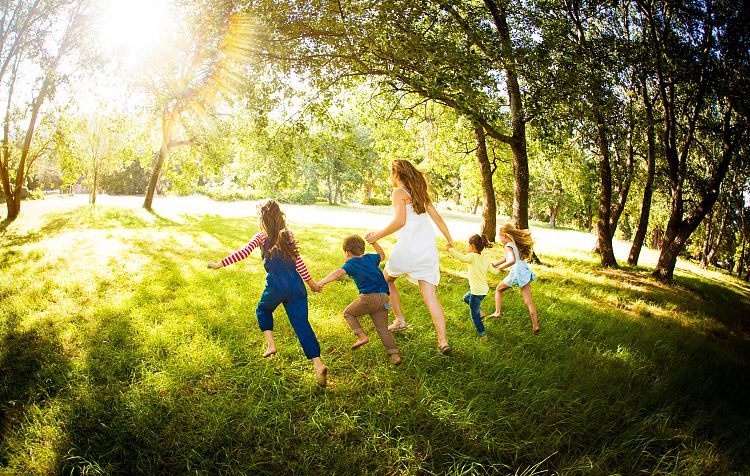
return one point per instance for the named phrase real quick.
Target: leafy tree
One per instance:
(35, 38)
(701, 57)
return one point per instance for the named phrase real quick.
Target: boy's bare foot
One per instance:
(361, 340)
(483, 338)
(321, 372)
(395, 359)
(269, 352)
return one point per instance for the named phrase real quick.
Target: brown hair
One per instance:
(522, 239)
(479, 242)
(273, 222)
(355, 245)
(414, 182)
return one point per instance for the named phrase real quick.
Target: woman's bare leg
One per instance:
(429, 296)
(526, 294)
(399, 322)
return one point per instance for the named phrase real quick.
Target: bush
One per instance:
(37, 194)
(376, 201)
(295, 197)
(228, 194)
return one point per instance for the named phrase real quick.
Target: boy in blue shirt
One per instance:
(373, 293)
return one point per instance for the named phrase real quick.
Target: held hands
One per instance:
(213, 265)
(449, 245)
(314, 286)
(371, 237)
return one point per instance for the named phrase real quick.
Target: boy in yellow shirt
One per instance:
(478, 266)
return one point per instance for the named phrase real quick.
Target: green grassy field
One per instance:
(120, 353)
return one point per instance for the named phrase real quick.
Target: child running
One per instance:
(373, 293)
(518, 246)
(285, 272)
(478, 267)
(415, 253)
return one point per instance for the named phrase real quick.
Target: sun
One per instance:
(132, 30)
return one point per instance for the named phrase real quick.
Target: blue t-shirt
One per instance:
(366, 274)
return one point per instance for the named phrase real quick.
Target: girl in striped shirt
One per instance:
(285, 273)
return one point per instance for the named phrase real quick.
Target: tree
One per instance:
(94, 146)
(204, 61)
(459, 55)
(702, 70)
(32, 47)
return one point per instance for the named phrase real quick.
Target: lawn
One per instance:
(120, 353)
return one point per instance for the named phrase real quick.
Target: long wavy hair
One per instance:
(479, 242)
(273, 222)
(414, 182)
(522, 239)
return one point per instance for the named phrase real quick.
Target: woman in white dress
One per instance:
(415, 254)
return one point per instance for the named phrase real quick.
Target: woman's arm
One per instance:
(440, 224)
(399, 217)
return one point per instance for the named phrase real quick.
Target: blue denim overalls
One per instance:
(285, 286)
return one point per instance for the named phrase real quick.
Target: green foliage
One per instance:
(122, 352)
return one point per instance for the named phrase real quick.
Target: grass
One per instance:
(120, 352)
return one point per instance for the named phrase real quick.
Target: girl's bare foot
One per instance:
(269, 352)
(361, 340)
(321, 372)
(395, 359)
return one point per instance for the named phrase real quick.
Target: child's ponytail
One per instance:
(479, 242)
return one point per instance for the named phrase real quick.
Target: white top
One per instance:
(415, 254)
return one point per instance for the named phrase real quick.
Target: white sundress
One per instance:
(415, 253)
(519, 274)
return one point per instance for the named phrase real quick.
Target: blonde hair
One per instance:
(522, 239)
(414, 182)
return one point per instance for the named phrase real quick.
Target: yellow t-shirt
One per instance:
(478, 267)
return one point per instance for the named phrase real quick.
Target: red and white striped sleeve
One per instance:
(298, 263)
(243, 253)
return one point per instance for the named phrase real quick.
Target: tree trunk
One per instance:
(94, 187)
(167, 120)
(517, 118)
(640, 233)
(678, 229)
(489, 211)
(604, 237)
(720, 234)
(707, 242)
(554, 211)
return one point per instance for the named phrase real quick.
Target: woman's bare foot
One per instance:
(537, 329)
(494, 315)
(395, 359)
(269, 352)
(361, 340)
